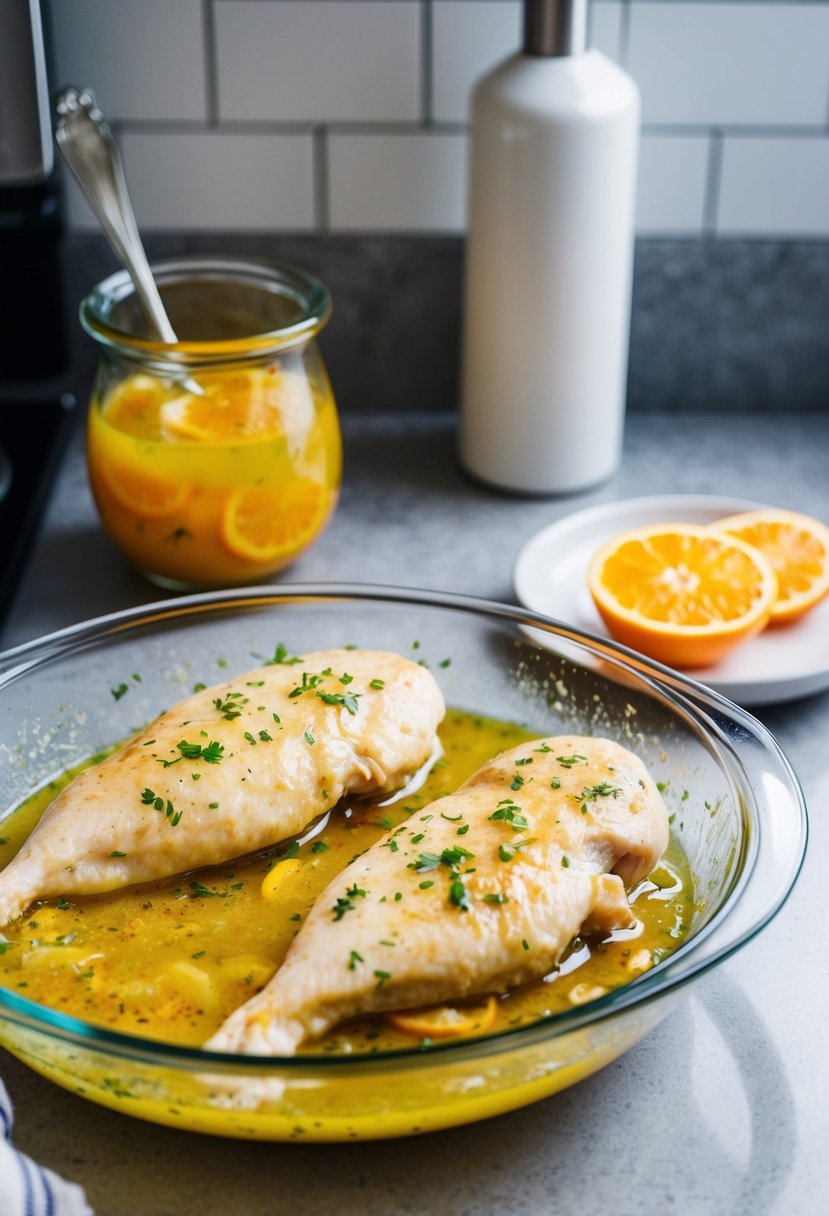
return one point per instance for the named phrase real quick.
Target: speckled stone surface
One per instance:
(720, 1111)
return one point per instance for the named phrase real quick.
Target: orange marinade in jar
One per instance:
(217, 461)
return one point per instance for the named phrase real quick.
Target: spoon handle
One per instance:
(86, 142)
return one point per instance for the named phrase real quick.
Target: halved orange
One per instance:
(143, 493)
(797, 547)
(237, 407)
(682, 593)
(446, 1021)
(271, 523)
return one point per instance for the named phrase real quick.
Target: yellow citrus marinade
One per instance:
(219, 489)
(170, 960)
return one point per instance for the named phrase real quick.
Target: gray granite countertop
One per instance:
(721, 1109)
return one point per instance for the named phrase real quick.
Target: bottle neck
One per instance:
(555, 27)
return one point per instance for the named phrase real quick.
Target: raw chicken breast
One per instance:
(480, 892)
(232, 769)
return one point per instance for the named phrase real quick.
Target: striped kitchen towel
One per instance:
(29, 1189)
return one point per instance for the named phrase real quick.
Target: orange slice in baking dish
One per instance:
(797, 547)
(446, 1021)
(682, 593)
(269, 523)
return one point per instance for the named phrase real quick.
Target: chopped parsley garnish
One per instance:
(590, 793)
(569, 761)
(308, 737)
(120, 691)
(426, 861)
(382, 976)
(353, 959)
(345, 903)
(452, 859)
(230, 705)
(346, 700)
(458, 894)
(507, 851)
(150, 798)
(378, 684)
(512, 814)
(495, 897)
(282, 655)
(116, 853)
(211, 754)
(309, 682)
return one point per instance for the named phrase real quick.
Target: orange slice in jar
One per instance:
(797, 547)
(143, 493)
(683, 594)
(236, 407)
(133, 406)
(446, 1021)
(270, 523)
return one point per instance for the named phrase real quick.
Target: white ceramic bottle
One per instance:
(554, 144)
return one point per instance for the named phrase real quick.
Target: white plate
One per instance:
(550, 576)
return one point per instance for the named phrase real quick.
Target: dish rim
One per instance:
(695, 702)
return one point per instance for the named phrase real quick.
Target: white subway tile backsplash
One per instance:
(672, 180)
(777, 186)
(604, 27)
(468, 38)
(318, 60)
(143, 60)
(411, 182)
(214, 181)
(215, 100)
(722, 63)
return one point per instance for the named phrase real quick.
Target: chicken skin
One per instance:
(229, 770)
(482, 891)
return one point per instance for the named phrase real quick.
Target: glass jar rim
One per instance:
(311, 296)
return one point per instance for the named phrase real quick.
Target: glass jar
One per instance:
(217, 461)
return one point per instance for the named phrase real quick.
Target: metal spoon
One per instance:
(89, 149)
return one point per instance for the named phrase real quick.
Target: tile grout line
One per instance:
(713, 180)
(624, 31)
(426, 47)
(211, 73)
(320, 180)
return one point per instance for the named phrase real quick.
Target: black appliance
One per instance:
(35, 411)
